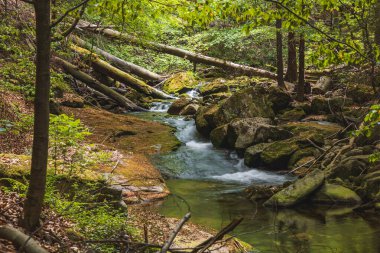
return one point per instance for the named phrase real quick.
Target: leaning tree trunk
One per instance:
(107, 69)
(291, 72)
(37, 183)
(120, 63)
(280, 61)
(94, 84)
(191, 56)
(20, 240)
(301, 71)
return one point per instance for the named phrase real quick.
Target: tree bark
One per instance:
(301, 71)
(291, 72)
(115, 73)
(93, 83)
(37, 183)
(20, 239)
(377, 23)
(119, 63)
(191, 56)
(280, 61)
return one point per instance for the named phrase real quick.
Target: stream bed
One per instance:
(210, 183)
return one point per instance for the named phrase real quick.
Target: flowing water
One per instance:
(210, 183)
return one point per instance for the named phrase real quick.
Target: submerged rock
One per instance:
(178, 105)
(262, 192)
(298, 191)
(336, 194)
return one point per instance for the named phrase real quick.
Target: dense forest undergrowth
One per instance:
(277, 84)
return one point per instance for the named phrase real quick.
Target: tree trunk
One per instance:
(301, 71)
(291, 72)
(119, 63)
(377, 23)
(20, 239)
(115, 73)
(36, 190)
(280, 61)
(93, 83)
(191, 56)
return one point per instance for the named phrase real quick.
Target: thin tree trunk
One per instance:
(36, 190)
(301, 71)
(117, 74)
(377, 23)
(119, 63)
(191, 56)
(291, 72)
(94, 84)
(280, 61)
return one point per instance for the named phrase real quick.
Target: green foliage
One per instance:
(23, 123)
(371, 120)
(68, 150)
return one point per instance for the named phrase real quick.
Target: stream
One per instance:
(210, 183)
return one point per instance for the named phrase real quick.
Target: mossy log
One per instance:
(96, 85)
(20, 240)
(191, 56)
(120, 63)
(119, 75)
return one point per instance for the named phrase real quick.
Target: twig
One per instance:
(167, 245)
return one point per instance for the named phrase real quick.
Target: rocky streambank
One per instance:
(311, 139)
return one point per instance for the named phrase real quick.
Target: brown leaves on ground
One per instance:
(52, 236)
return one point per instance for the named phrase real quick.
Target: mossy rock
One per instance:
(247, 103)
(300, 154)
(179, 104)
(204, 119)
(221, 85)
(336, 194)
(218, 136)
(292, 114)
(279, 98)
(277, 155)
(180, 82)
(252, 155)
(298, 191)
(360, 93)
(323, 128)
(320, 104)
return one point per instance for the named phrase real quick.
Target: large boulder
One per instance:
(334, 194)
(221, 85)
(360, 93)
(321, 104)
(190, 109)
(252, 155)
(279, 98)
(243, 133)
(178, 105)
(204, 119)
(323, 85)
(180, 82)
(298, 191)
(247, 103)
(277, 155)
(218, 136)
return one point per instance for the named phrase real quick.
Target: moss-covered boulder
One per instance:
(247, 103)
(218, 137)
(221, 85)
(204, 119)
(252, 155)
(301, 154)
(360, 93)
(294, 114)
(279, 98)
(334, 194)
(298, 191)
(190, 109)
(277, 155)
(321, 104)
(180, 82)
(243, 133)
(178, 105)
(322, 128)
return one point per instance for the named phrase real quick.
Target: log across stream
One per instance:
(212, 183)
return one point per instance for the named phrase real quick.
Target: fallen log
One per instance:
(119, 75)
(96, 85)
(21, 241)
(191, 56)
(120, 63)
